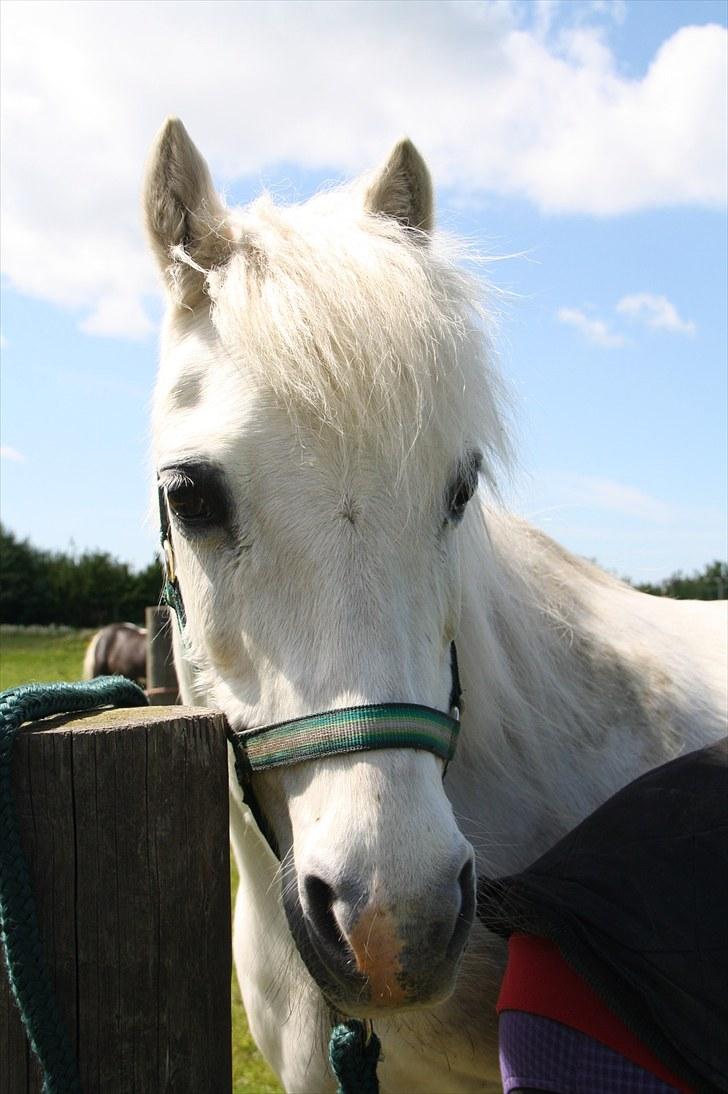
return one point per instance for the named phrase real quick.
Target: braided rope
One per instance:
(19, 933)
(353, 1057)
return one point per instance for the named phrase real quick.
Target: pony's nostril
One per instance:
(466, 881)
(466, 914)
(319, 901)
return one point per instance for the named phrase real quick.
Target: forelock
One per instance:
(360, 326)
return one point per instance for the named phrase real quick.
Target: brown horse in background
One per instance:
(120, 649)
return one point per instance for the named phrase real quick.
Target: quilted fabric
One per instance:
(636, 899)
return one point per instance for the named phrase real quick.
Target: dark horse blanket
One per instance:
(636, 899)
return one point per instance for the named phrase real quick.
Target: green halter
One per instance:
(351, 729)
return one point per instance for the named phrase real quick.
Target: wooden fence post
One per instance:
(162, 687)
(124, 823)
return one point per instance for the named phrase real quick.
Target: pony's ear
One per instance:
(184, 217)
(402, 189)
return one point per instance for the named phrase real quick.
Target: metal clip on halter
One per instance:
(171, 593)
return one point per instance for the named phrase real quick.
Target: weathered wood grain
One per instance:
(162, 686)
(124, 822)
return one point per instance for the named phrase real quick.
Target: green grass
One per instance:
(251, 1074)
(27, 657)
(30, 655)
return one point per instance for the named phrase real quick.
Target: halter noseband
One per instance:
(333, 732)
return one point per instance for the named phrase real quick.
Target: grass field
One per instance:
(31, 654)
(27, 656)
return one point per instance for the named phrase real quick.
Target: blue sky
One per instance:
(582, 141)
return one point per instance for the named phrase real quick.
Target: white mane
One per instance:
(352, 321)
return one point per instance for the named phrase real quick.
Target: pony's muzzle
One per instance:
(388, 952)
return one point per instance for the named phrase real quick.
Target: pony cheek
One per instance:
(272, 801)
(214, 618)
(225, 654)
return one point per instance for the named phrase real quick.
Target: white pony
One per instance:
(326, 403)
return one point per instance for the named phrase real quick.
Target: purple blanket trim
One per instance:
(546, 1055)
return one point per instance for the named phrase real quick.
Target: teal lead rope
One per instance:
(19, 933)
(354, 1057)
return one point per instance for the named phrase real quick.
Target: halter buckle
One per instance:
(169, 567)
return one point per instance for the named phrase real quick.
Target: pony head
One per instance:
(323, 411)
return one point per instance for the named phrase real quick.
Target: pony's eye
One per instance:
(189, 504)
(196, 497)
(462, 487)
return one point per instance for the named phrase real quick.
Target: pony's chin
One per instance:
(383, 1008)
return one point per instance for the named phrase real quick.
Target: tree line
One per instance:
(710, 584)
(92, 588)
(88, 589)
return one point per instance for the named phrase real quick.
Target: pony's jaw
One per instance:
(380, 889)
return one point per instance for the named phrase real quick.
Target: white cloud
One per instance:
(595, 330)
(614, 9)
(571, 490)
(627, 529)
(11, 454)
(656, 312)
(617, 497)
(118, 315)
(545, 13)
(497, 102)
(3, 341)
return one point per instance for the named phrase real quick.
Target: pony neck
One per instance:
(545, 737)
